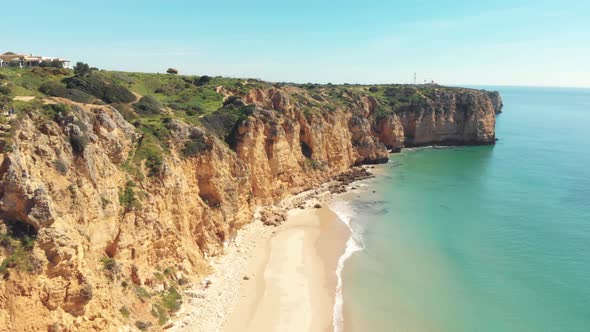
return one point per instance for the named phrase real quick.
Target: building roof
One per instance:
(10, 56)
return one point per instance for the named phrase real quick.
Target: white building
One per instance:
(10, 59)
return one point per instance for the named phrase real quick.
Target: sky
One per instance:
(454, 42)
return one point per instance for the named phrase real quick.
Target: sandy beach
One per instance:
(279, 278)
(294, 277)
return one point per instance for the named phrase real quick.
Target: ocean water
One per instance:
(493, 238)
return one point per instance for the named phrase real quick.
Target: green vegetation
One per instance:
(187, 96)
(52, 64)
(203, 80)
(148, 105)
(223, 122)
(141, 292)
(160, 313)
(56, 111)
(314, 164)
(125, 312)
(82, 69)
(17, 244)
(110, 267)
(170, 302)
(73, 191)
(169, 271)
(26, 82)
(5, 90)
(97, 86)
(127, 196)
(59, 89)
(154, 163)
(197, 143)
(60, 166)
(53, 88)
(110, 264)
(152, 144)
(154, 103)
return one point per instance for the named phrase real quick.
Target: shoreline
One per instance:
(302, 257)
(351, 247)
(294, 289)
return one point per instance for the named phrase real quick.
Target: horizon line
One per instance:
(462, 85)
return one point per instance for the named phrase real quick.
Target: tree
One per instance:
(51, 64)
(203, 80)
(4, 90)
(172, 71)
(81, 69)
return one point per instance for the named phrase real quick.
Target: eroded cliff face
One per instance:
(110, 240)
(443, 118)
(496, 100)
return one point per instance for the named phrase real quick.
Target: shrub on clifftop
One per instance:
(54, 89)
(4, 90)
(109, 92)
(82, 69)
(148, 105)
(57, 89)
(203, 80)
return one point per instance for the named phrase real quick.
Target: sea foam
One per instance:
(345, 212)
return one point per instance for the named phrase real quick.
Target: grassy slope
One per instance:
(188, 101)
(191, 98)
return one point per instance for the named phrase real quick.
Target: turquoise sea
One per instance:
(492, 238)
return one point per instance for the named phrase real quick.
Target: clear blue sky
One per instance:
(517, 42)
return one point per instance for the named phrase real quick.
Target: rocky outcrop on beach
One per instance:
(341, 181)
(96, 236)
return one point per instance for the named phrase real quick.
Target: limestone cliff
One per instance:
(113, 240)
(497, 102)
(441, 118)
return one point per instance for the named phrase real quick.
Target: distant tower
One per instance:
(414, 78)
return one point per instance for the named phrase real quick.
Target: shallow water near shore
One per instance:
(493, 238)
